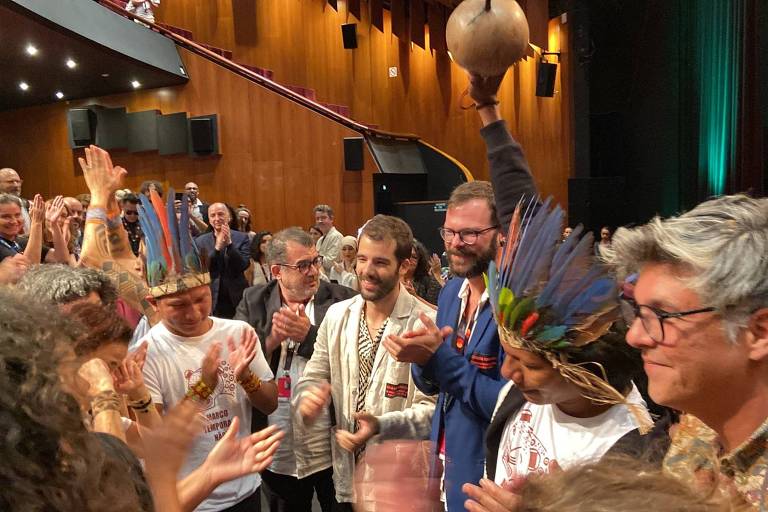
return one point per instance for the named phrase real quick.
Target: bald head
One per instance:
(218, 216)
(76, 211)
(10, 182)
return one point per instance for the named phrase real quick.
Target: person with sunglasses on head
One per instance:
(699, 315)
(130, 217)
(286, 313)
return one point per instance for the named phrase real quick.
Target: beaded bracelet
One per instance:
(141, 405)
(251, 384)
(105, 401)
(199, 391)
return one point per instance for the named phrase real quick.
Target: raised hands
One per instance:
(232, 457)
(367, 427)
(313, 401)
(417, 346)
(129, 380)
(102, 178)
(223, 238)
(37, 210)
(55, 212)
(287, 323)
(210, 366)
(96, 373)
(240, 357)
(483, 90)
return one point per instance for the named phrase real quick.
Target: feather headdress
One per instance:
(552, 298)
(173, 263)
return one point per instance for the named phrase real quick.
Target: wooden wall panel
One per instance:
(278, 158)
(300, 40)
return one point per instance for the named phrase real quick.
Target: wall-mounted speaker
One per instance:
(353, 154)
(204, 135)
(349, 35)
(81, 124)
(142, 131)
(545, 79)
(172, 134)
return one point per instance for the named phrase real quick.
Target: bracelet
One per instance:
(115, 222)
(493, 103)
(95, 213)
(199, 391)
(251, 384)
(105, 401)
(141, 405)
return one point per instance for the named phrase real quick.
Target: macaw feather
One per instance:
(162, 218)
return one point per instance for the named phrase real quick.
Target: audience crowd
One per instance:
(162, 352)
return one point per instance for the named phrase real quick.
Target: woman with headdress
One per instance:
(244, 221)
(570, 398)
(343, 272)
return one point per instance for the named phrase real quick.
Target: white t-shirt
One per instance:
(538, 435)
(174, 364)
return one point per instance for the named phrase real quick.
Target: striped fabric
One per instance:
(367, 351)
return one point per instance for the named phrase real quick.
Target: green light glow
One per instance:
(720, 27)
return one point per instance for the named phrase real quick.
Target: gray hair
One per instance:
(61, 284)
(277, 248)
(722, 244)
(6, 198)
(323, 208)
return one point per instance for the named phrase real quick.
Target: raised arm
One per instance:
(33, 251)
(510, 175)
(105, 242)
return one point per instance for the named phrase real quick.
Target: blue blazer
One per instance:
(227, 266)
(468, 387)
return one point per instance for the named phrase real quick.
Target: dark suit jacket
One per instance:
(260, 302)
(204, 211)
(227, 266)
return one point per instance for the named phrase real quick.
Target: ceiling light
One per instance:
(60, 95)
(32, 50)
(71, 64)
(23, 86)
(105, 75)
(136, 84)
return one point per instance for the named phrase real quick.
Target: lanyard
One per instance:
(290, 349)
(11, 245)
(463, 331)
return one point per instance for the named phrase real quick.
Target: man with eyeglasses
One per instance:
(286, 313)
(461, 362)
(369, 392)
(699, 315)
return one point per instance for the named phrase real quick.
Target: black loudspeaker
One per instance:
(349, 35)
(112, 128)
(81, 123)
(545, 79)
(353, 153)
(204, 135)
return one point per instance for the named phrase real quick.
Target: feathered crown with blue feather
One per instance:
(173, 262)
(553, 298)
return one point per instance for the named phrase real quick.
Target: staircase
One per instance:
(306, 92)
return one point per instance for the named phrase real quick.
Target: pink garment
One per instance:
(129, 314)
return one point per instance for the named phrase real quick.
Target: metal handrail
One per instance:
(260, 80)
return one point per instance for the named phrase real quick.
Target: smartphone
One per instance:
(179, 196)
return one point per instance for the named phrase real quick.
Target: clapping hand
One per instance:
(240, 357)
(37, 210)
(210, 366)
(223, 238)
(102, 178)
(417, 346)
(490, 497)
(232, 457)
(314, 400)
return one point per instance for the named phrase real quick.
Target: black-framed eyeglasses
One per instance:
(653, 318)
(303, 266)
(467, 236)
(131, 212)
